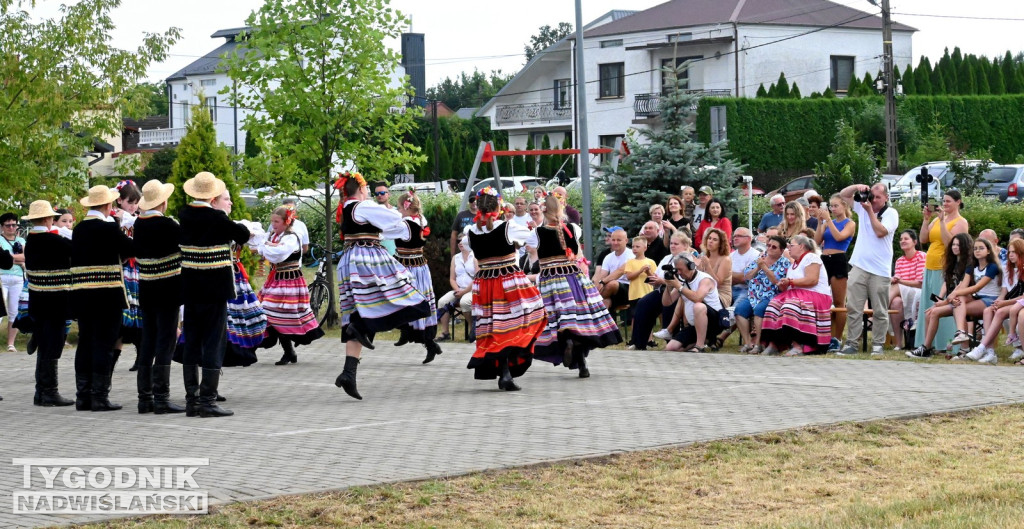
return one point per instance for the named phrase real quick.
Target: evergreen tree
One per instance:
(661, 162)
(197, 152)
(909, 83)
(965, 79)
(427, 167)
(848, 162)
(1010, 80)
(159, 166)
(782, 87)
(950, 79)
(772, 91)
(546, 160)
(995, 78)
(923, 77)
(957, 57)
(981, 68)
(531, 161)
(444, 165)
(761, 92)
(938, 82)
(815, 95)
(570, 166)
(518, 165)
(794, 92)
(854, 86)
(828, 93)
(867, 86)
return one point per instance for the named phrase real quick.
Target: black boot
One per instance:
(208, 395)
(162, 391)
(347, 379)
(404, 336)
(432, 350)
(144, 380)
(37, 397)
(567, 353)
(506, 382)
(221, 398)
(83, 393)
(191, 375)
(31, 346)
(135, 365)
(352, 333)
(289, 356)
(101, 388)
(581, 361)
(50, 397)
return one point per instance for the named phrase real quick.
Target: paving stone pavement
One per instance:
(294, 432)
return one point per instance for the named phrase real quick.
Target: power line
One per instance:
(961, 17)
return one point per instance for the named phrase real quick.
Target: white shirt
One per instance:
(800, 272)
(523, 220)
(285, 247)
(516, 234)
(711, 299)
(465, 270)
(740, 262)
(873, 254)
(614, 262)
(301, 231)
(388, 220)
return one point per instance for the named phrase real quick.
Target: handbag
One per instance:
(724, 319)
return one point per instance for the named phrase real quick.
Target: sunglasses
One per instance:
(10, 225)
(381, 193)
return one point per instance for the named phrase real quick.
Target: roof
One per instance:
(210, 63)
(466, 113)
(614, 14)
(146, 123)
(687, 13)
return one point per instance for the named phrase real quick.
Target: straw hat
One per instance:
(155, 193)
(204, 186)
(99, 196)
(40, 209)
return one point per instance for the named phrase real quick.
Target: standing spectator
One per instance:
(905, 291)
(793, 220)
(657, 213)
(12, 279)
(382, 196)
(656, 249)
(700, 306)
(687, 194)
(774, 217)
(298, 227)
(799, 316)
(938, 228)
(704, 195)
(957, 263)
(872, 264)
(834, 235)
(570, 212)
(762, 278)
(462, 219)
(614, 291)
(814, 203)
(539, 193)
(714, 218)
(536, 215)
(743, 256)
(636, 270)
(522, 216)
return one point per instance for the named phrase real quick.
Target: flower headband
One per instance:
(123, 183)
(289, 216)
(489, 191)
(339, 184)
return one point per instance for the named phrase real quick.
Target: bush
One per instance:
(981, 213)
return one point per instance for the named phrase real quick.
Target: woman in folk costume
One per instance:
(409, 252)
(508, 310)
(285, 296)
(375, 292)
(577, 320)
(127, 211)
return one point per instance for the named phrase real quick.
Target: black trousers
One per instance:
(159, 334)
(49, 335)
(206, 327)
(98, 331)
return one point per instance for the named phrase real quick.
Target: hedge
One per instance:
(794, 134)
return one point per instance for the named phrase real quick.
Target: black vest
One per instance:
(493, 244)
(48, 268)
(157, 240)
(549, 246)
(354, 230)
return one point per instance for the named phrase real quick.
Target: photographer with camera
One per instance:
(701, 307)
(939, 225)
(871, 264)
(13, 279)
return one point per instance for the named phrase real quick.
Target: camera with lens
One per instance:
(670, 271)
(863, 196)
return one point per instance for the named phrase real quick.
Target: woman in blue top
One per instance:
(762, 276)
(834, 235)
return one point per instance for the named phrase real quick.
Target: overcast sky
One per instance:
(461, 35)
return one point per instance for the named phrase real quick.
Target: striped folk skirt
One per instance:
(424, 329)
(131, 318)
(510, 316)
(285, 301)
(576, 311)
(377, 288)
(798, 316)
(247, 325)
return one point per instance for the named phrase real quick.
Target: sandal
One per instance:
(1020, 362)
(11, 349)
(695, 349)
(716, 344)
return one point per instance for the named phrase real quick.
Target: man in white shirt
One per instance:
(298, 227)
(743, 255)
(522, 216)
(870, 264)
(615, 293)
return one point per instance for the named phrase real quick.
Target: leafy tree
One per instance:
(159, 166)
(782, 87)
(156, 93)
(469, 90)
(662, 161)
(62, 84)
(967, 176)
(197, 152)
(848, 163)
(545, 37)
(319, 74)
(761, 92)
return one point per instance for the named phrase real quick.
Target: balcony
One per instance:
(160, 136)
(647, 106)
(532, 112)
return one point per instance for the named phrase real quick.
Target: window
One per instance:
(680, 37)
(612, 80)
(186, 113)
(611, 43)
(211, 105)
(208, 82)
(608, 142)
(563, 94)
(684, 76)
(842, 72)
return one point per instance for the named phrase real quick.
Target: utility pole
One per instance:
(581, 123)
(891, 154)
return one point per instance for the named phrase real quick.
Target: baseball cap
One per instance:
(706, 190)
(611, 229)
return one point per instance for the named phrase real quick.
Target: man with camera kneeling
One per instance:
(700, 305)
(870, 264)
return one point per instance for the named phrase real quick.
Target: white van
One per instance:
(444, 186)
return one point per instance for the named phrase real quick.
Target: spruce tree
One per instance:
(661, 162)
(197, 152)
(782, 87)
(761, 92)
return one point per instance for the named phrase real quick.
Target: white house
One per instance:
(734, 46)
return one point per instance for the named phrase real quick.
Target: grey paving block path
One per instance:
(294, 432)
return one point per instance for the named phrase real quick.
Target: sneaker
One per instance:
(1012, 339)
(920, 352)
(631, 347)
(770, 350)
(849, 350)
(746, 348)
(1018, 353)
(663, 334)
(960, 337)
(877, 351)
(834, 345)
(796, 350)
(990, 357)
(977, 353)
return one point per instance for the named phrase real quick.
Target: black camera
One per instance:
(17, 247)
(863, 196)
(670, 271)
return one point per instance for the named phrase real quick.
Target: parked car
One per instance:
(908, 188)
(756, 191)
(1005, 183)
(795, 188)
(518, 184)
(444, 186)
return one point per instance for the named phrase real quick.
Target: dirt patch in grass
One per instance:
(955, 470)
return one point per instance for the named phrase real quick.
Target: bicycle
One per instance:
(318, 288)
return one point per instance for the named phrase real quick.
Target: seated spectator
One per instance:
(715, 218)
(814, 203)
(958, 262)
(762, 277)
(1006, 307)
(792, 220)
(715, 260)
(743, 255)
(700, 306)
(799, 317)
(774, 217)
(905, 292)
(614, 291)
(460, 277)
(646, 312)
(530, 264)
(978, 291)
(656, 249)
(676, 220)
(991, 236)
